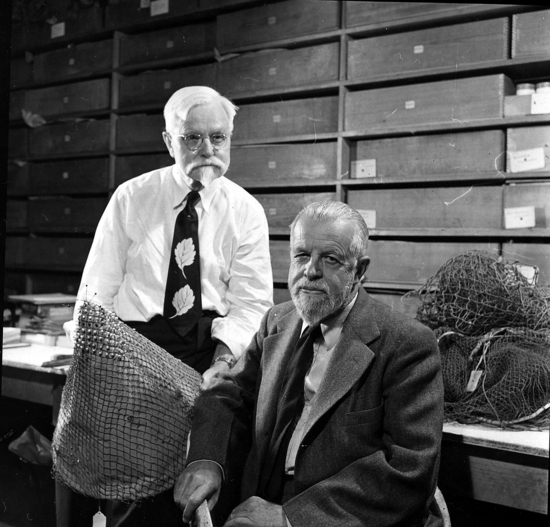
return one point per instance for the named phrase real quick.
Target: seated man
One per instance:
(357, 442)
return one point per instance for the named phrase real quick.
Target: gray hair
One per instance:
(338, 211)
(185, 99)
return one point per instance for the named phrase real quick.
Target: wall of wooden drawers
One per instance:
(406, 111)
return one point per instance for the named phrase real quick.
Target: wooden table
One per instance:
(505, 467)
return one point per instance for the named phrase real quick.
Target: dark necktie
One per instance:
(182, 299)
(289, 410)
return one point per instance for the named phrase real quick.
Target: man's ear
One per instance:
(168, 143)
(362, 266)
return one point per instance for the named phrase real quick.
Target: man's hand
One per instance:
(200, 481)
(208, 375)
(70, 330)
(256, 512)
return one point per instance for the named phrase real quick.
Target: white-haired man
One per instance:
(129, 265)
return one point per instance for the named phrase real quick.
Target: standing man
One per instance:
(339, 397)
(181, 254)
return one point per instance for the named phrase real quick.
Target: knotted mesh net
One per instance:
(125, 414)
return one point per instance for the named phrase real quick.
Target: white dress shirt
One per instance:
(128, 263)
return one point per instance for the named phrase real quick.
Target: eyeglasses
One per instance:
(194, 141)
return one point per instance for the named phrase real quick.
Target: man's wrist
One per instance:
(229, 359)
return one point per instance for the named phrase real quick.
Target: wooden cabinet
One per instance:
(531, 34)
(140, 132)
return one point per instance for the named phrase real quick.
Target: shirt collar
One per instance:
(207, 193)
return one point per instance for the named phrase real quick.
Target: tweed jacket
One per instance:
(370, 454)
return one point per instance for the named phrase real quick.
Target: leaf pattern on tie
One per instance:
(183, 301)
(185, 254)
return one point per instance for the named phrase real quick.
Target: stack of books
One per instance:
(11, 338)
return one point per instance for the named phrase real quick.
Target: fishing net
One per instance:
(478, 291)
(125, 414)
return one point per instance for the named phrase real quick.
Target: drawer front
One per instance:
(442, 102)
(17, 250)
(156, 87)
(282, 20)
(530, 254)
(181, 41)
(281, 209)
(70, 138)
(17, 180)
(140, 131)
(527, 205)
(128, 167)
(283, 164)
(16, 215)
(419, 208)
(280, 259)
(528, 149)
(277, 119)
(54, 283)
(434, 155)
(74, 61)
(263, 70)
(18, 142)
(17, 103)
(280, 295)
(82, 176)
(21, 72)
(408, 305)
(413, 262)
(58, 253)
(65, 214)
(77, 97)
(428, 49)
(531, 34)
(15, 283)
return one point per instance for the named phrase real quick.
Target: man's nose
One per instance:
(313, 269)
(206, 148)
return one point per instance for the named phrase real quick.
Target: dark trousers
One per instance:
(196, 349)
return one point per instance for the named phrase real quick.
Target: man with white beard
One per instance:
(334, 412)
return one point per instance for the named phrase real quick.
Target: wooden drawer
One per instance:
(128, 167)
(16, 215)
(530, 254)
(527, 205)
(65, 214)
(430, 208)
(180, 41)
(127, 13)
(82, 176)
(17, 180)
(281, 20)
(428, 49)
(444, 102)
(14, 284)
(18, 142)
(413, 262)
(280, 295)
(531, 34)
(155, 87)
(429, 156)
(268, 70)
(281, 209)
(408, 305)
(69, 98)
(73, 61)
(70, 138)
(17, 103)
(279, 165)
(58, 253)
(287, 118)
(17, 248)
(528, 149)
(140, 131)
(54, 283)
(21, 72)
(280, 259)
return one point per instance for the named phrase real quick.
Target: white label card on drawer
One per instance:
(167, 85)
(58, 30)
(159, 7)
(418, 49)
(65, 175)
(276, 118)
(540, 103)
(519, 217)
(72, 61)
(409, 105)
(272, 211)
(144, 4)
(525, 160)
(363, 168)
(272, 164)
(272, 71)
(271, 20)
(369, 216)
(474, 380)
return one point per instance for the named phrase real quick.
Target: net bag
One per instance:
(126, 411)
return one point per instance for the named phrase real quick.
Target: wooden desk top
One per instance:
(32, 357)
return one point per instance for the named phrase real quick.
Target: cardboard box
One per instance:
(278, 165)
(430, 208)
(128, 167)
(140, 132)
(276, 21)
(17, 180)
(18, 142)
(443, 102)
(271, 69)
(73, 61)
(429, 156)
(527, 205)
(531, 34)
(16, 215)
(175, 42)
(530, 254)
(70, 138)
(78, 176)
(84, 96)
(528, 149)
(536, 104)
(428, 49)
(156, 87)
(286, 118)
(64, 254)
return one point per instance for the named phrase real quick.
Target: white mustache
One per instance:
(305, 283)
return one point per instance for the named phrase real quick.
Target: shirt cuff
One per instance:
(211, 461)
